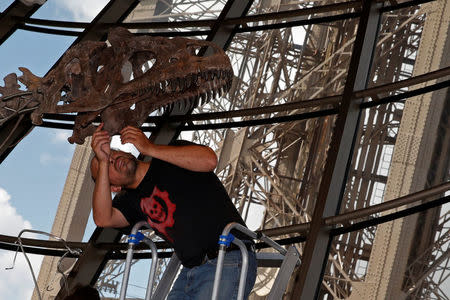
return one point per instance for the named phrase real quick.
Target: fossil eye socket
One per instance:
(173, 60)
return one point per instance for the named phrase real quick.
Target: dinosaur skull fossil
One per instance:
(93, 79)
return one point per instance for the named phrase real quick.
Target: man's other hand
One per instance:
(136, 137)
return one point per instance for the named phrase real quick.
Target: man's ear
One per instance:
(116, 188)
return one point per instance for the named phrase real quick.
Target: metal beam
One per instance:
(11, 18)
(339, 156)
(12, 132)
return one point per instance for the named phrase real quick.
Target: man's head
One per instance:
(122, 169)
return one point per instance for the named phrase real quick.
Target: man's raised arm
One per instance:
(196, 158)
(104, 214)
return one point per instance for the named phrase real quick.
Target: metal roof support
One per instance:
(307, 283)
(12, 132)
(10, 18)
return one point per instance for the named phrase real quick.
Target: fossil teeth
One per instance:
(182, 84)
(189, 80)
(173, 85)
(196, 79)
(203, 98)
(228, 85)
(195, 101)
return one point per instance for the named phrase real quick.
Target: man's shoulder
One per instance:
(125, 194)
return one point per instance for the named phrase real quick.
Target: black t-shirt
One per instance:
(188, 209)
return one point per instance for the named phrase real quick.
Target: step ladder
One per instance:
(289, 259)
(133, 240)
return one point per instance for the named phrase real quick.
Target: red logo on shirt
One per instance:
(159, 210)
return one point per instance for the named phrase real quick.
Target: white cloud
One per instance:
(83, 10)
(10, 221)
(18, 282)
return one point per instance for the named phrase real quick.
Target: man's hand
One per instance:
(101, 144)
(136, 137)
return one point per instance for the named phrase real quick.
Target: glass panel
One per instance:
(420, 258)
(5, 4)
(277, 168)
(70, 11)
(34, 173)
(399, 150)
(397, 47)
(262, 6)
(176, 11)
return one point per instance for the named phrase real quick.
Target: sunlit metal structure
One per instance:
(334, 108)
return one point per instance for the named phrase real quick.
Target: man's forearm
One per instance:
(102, 202)
(191, 157)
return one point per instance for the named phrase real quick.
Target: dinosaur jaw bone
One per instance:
(198, 87)
(188, 91)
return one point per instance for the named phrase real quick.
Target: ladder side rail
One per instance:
(244, 268)
(151, 278)
(272, 243)
(126, 273)
(291, 260)
(225, 239)
(133, 240)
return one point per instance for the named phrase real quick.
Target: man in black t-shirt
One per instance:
(180, 197)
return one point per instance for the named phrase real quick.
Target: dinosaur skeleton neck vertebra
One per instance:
(92, 79)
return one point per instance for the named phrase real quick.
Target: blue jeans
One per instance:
(197, 283)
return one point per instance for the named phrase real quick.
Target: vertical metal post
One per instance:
(134, 240)
(339, 156)
(126, 273)
(151, 277)
(244, 269)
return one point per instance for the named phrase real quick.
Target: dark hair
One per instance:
(85, 292)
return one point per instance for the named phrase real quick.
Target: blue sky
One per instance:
(32, 177)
